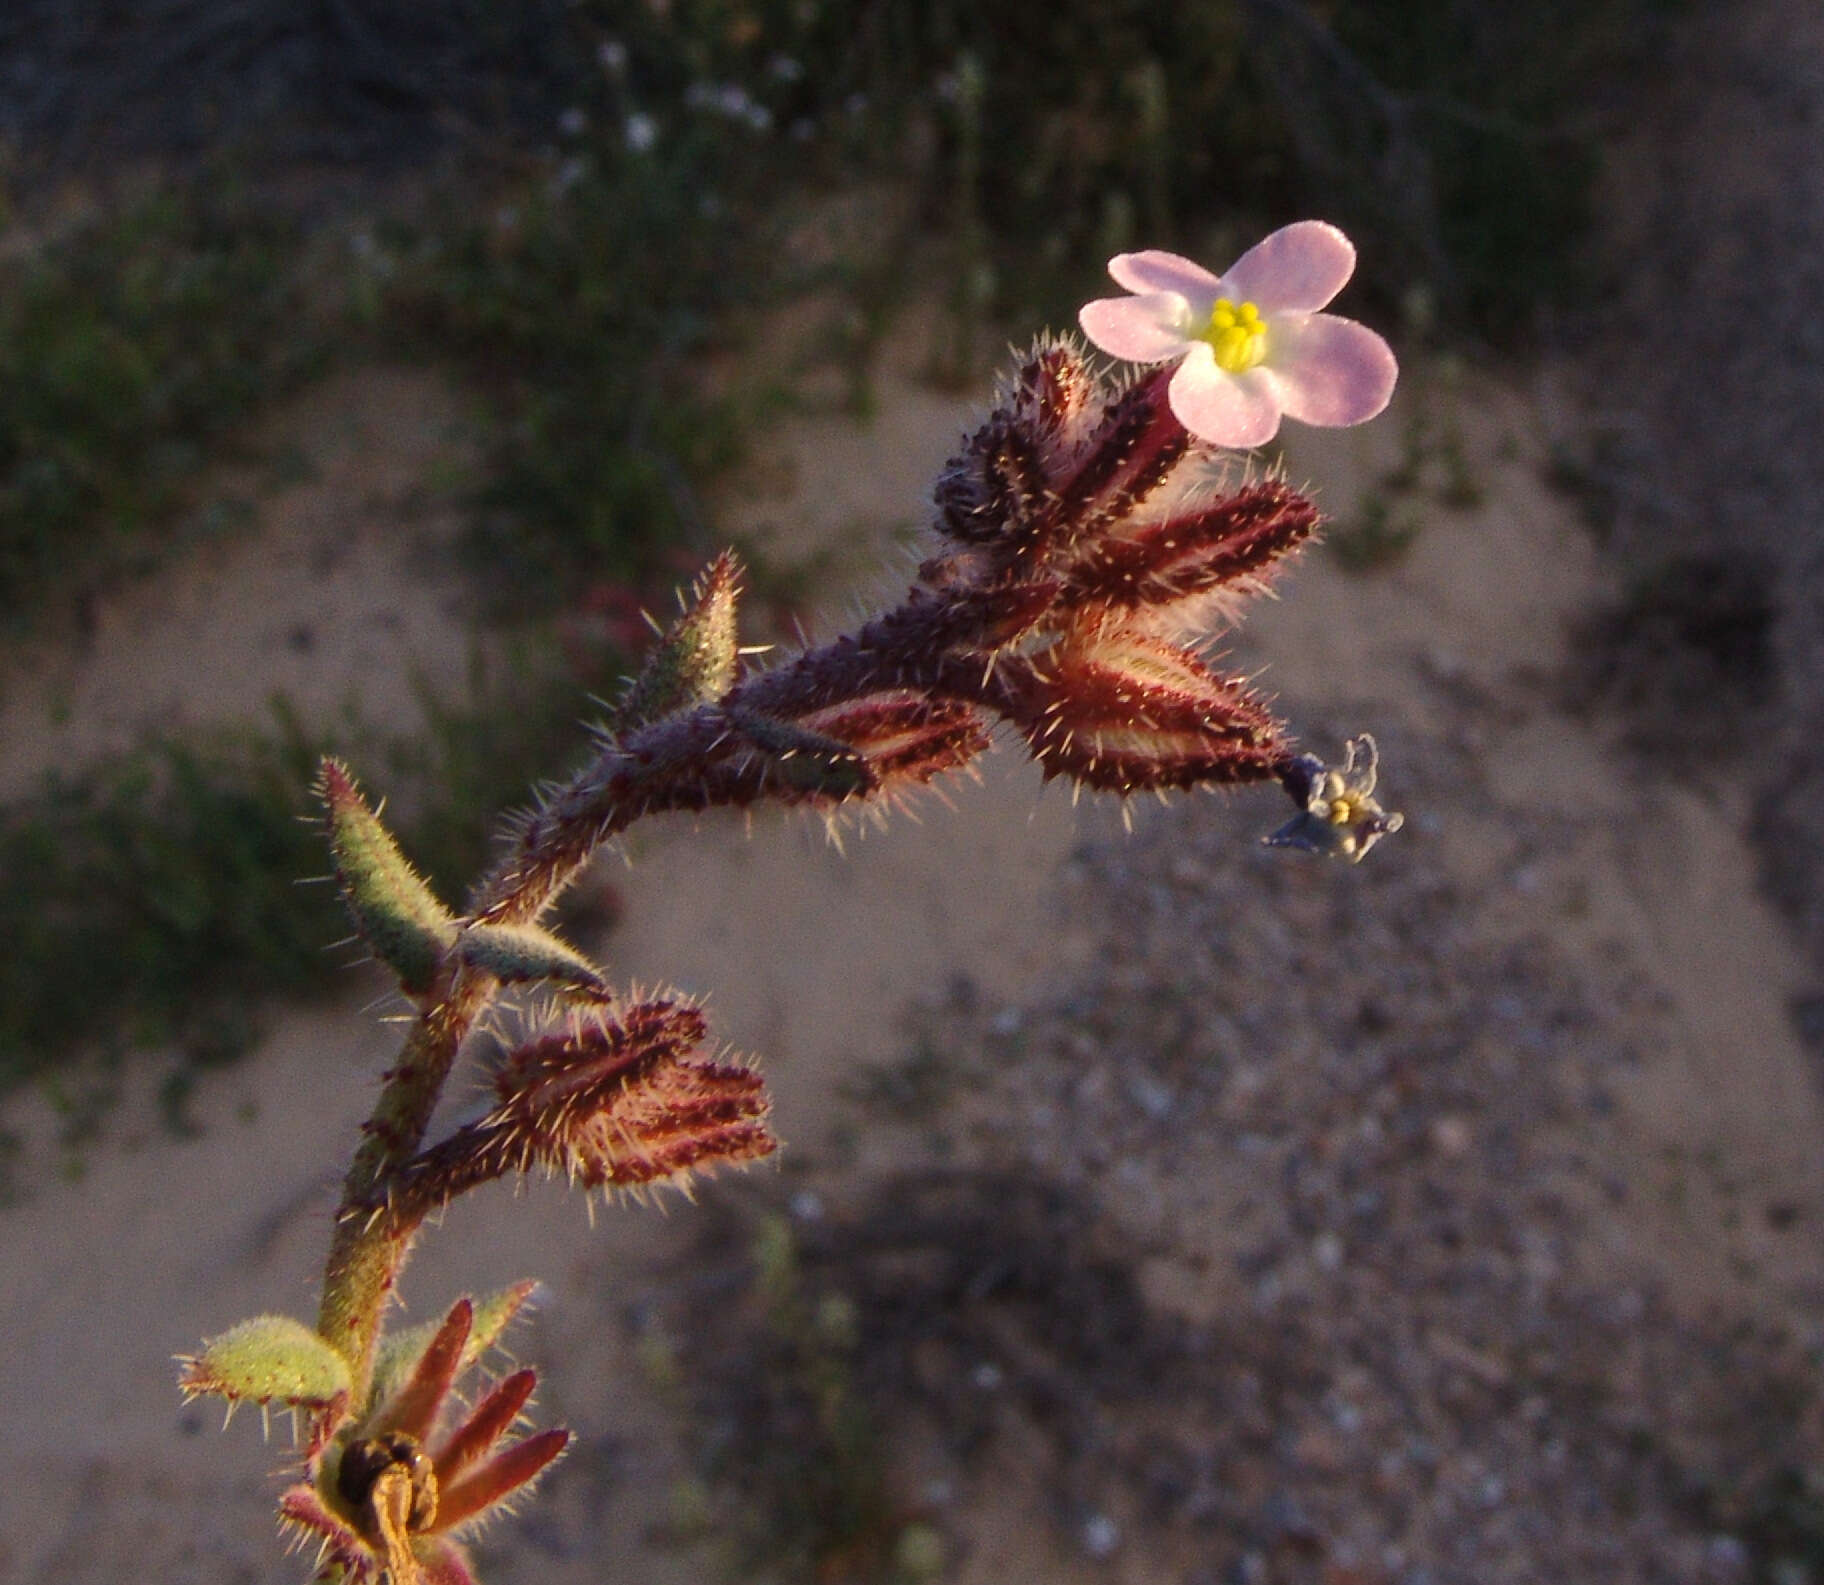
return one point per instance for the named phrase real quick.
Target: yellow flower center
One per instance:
(1237, 335)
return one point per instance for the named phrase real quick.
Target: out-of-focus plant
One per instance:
(126, 348)
(1459, 139)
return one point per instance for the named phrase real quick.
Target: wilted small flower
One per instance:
(1341, 816)
(1251, 345)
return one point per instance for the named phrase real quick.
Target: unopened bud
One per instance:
(694, 660)
(1127, 713)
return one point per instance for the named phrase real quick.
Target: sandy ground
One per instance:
(995, 917)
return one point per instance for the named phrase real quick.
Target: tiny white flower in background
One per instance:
(641, 132)
(574, 122)
(1251, 345)
(612, 54)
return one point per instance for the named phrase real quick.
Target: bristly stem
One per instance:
(366, 1253)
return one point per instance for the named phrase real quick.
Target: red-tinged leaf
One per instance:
(414, 1407)
(444, 1562)
(487, 1423)
(402, 1347)
(508, 1471)
(308, 1522)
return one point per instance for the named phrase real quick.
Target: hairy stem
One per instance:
(367, 1252)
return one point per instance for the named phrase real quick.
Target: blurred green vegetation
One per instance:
(579, 311)
(128, 348)
(155, 899)
(1458, 141)
(599, 288)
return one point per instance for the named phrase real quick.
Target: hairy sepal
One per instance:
(904, 738)
(1122, 712)
(800, 760)
(611, 1103)
(1229, 542)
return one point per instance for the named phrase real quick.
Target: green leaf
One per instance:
(519, 954)
(270, 1359)
(396, 912)
(400, 1350)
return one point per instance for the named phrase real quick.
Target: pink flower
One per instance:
(1251, 344)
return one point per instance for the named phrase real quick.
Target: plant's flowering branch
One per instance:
(1090, 543)
(1092, 537)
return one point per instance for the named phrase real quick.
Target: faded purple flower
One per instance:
(1251, 344)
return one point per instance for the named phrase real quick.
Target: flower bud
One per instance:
(1123, 712)
(1172, 563)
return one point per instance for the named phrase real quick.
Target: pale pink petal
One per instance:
(1297, 269)
(1146, 329)
(1239, 410)
(1330, 371)
(1154, 271)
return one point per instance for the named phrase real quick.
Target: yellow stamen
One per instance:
(1237, 335)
